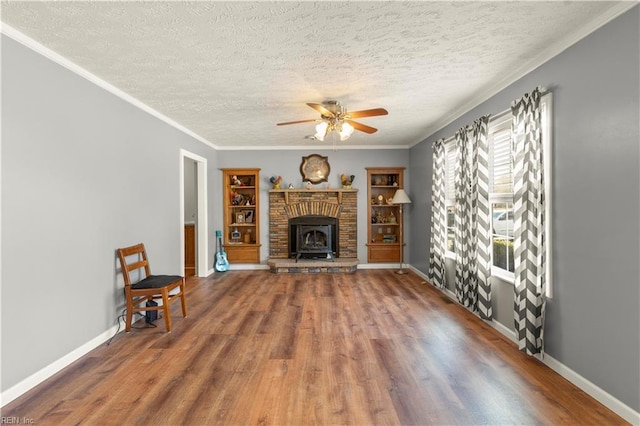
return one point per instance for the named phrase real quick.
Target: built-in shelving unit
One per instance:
(383, 218)
(241, 192)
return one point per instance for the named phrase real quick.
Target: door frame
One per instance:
(202, 233)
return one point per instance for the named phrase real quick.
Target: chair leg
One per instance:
(165, 306)
(183, 299)
(129, 318)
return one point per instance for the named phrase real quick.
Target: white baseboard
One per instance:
(248, 267)
(615, 405)
(597, 393)
(503, 329)
(242, 267)
(48, 371)
(380, 266)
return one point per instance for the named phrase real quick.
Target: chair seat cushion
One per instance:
(156, 281)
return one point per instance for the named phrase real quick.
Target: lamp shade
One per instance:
(400, 197)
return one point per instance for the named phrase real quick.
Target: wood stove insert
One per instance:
(313, 237)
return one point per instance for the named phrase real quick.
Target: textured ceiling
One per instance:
(229, 71)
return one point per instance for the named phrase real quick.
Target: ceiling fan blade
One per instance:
(297, 122)
(362, 127)
(368, 113)
(321, 109)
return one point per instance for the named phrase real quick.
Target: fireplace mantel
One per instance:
(337, 191)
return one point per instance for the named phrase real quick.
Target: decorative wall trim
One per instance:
(379, 265)
(71, 66)
(202, 227)
(615, 405)
(503, 329)
(306, 148)
(23, 39)
(51, 369)
(526, 67)
(597, 393)
(248, 267)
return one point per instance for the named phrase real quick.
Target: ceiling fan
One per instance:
(335, 117)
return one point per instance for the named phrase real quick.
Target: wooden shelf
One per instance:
(337, 191)
(246, 247)
(383, 181)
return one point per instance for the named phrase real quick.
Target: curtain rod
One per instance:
(543, 91)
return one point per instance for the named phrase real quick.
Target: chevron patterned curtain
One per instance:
(436, 272)
(483, 216)
(472, 225)
(529, 221)
(466, 230)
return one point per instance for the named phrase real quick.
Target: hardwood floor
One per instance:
(260, 348)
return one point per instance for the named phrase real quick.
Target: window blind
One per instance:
(450, 167)
(501, 170)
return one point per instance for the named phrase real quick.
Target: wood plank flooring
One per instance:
(370, 348)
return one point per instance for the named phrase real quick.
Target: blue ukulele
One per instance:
(222, 264)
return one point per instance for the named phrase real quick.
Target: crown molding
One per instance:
(77, 69)
(545, 55)
(307, 147)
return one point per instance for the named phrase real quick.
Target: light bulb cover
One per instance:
(321, 130)
(346, 130)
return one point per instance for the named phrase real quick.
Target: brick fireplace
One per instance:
(340, 204)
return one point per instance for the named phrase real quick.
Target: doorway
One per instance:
(193, 214)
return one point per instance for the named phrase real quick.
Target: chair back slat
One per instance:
(139, 263)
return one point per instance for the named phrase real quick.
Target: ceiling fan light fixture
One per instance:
(335, 118)
(346, 130)
(321, 130)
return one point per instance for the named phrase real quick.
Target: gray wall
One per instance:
(83, 172)
(74, 157)
(287, 164)
(593, 319)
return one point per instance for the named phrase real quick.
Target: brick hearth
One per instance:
(285, 204)
(305, 266)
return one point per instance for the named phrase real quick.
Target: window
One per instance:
(501, 196)
(450, 193)
(501, 192)
(547, 146)
(502, 236)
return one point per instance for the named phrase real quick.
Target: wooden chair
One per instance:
(148, 287)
